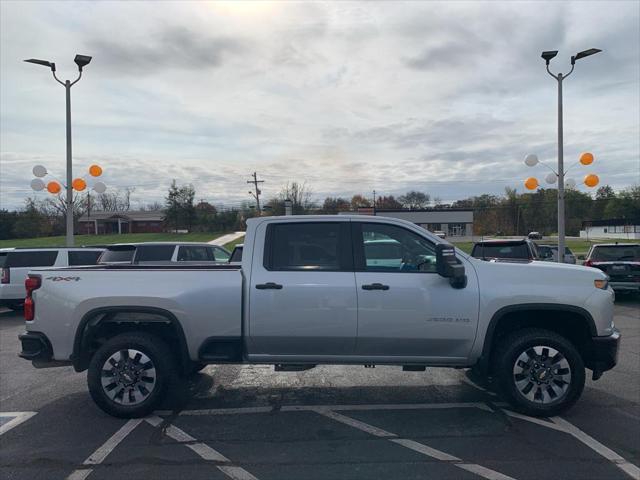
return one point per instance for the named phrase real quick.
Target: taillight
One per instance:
(6, 276)
(30, 284)
(587, 263)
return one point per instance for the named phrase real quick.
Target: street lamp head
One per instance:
(82, 61)
(44, 63)
(548, 55)
(584, 53)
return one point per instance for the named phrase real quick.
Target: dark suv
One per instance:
(621, 261)
(505, 250)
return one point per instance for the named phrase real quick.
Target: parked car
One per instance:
(440, 233)
(550, 253)
(534, 236)
(306, 294)
(236, 254)
(621, 261)
(15, 263)
(506, 250)
(163, 252)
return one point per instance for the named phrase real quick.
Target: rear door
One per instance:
(302, 298)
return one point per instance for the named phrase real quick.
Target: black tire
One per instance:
(541, 374)
(162, 373)
(196, 367)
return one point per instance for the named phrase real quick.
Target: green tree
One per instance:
(415, 200)
(332, 205)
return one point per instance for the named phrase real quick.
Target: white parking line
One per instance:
(18, 418)
(203, 450)
(415, 446)
(627, 467)
(562, 425)
(104, 450)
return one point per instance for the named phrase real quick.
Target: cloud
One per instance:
(171, 47)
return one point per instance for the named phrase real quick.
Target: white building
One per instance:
(615, 228)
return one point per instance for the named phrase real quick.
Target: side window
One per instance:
(83, 258)
(194, 254)
(154, 253)
(388, 248)
(219, 255)
(307, 246)
(236, 255)
(45, 258)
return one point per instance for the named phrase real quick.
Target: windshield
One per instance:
(626, 253)
(516, 251)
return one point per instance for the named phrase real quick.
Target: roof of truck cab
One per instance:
(137, 244)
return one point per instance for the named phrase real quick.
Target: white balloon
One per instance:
(551, 178)
(39, 171)
(570, 183)
(531, 160)
(100, 187)
(37, 184)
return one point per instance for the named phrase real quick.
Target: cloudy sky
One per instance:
(443, 97)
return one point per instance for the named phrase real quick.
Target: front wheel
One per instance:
(130, 373)
(540, 372)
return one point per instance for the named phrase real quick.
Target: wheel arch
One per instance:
(113, 320)
(541, 315)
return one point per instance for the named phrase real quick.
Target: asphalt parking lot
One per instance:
(248, 422)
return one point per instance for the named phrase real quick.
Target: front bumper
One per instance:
(604, 355)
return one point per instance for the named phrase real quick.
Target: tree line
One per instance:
(510, 214)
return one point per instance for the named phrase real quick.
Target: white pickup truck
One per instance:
(326, 290)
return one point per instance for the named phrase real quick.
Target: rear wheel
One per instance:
(540, 372)
(130, 373)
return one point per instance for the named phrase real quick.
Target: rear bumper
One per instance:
(604, 353)
(625, 286)
(35, 346)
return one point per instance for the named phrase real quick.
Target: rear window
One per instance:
(517, 251)
(118, 255)
(615, 253)
(44, 258)
(84, 258)
(154, 253)
(304, 246)
(194, 254)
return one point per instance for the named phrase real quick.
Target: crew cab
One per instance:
(325, 290)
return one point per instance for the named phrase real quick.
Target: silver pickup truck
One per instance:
(325, 290)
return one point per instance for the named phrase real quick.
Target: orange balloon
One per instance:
(95, 170)
(54, 187)
(586, 158)
(79, 184)
(531, 183)
(591, 180)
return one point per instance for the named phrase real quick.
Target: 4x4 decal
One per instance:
(63, 279)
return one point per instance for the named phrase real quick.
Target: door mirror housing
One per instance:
(448, 266)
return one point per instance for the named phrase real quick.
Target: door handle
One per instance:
(268, 286)
(375, 286)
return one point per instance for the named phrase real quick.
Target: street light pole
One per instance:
(547, 56)
(561, 218)
(67, 86)
(81, 61)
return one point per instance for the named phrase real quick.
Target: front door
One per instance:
(405, 309)
(302, 295)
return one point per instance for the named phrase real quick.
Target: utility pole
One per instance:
(257, 193)
(374, 202)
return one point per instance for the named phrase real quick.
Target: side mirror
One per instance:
(447, 266)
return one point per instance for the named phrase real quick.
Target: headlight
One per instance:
(602, 284)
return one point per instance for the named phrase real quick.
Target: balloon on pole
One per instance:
(53, 187)
(95, 170)
(531, 183)
(570, 183)
(551, 178)
(531, 160)
(79, 184)
(586, 158)
(39, 171)
(591, 180)
(99, 187)
(37, 184)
